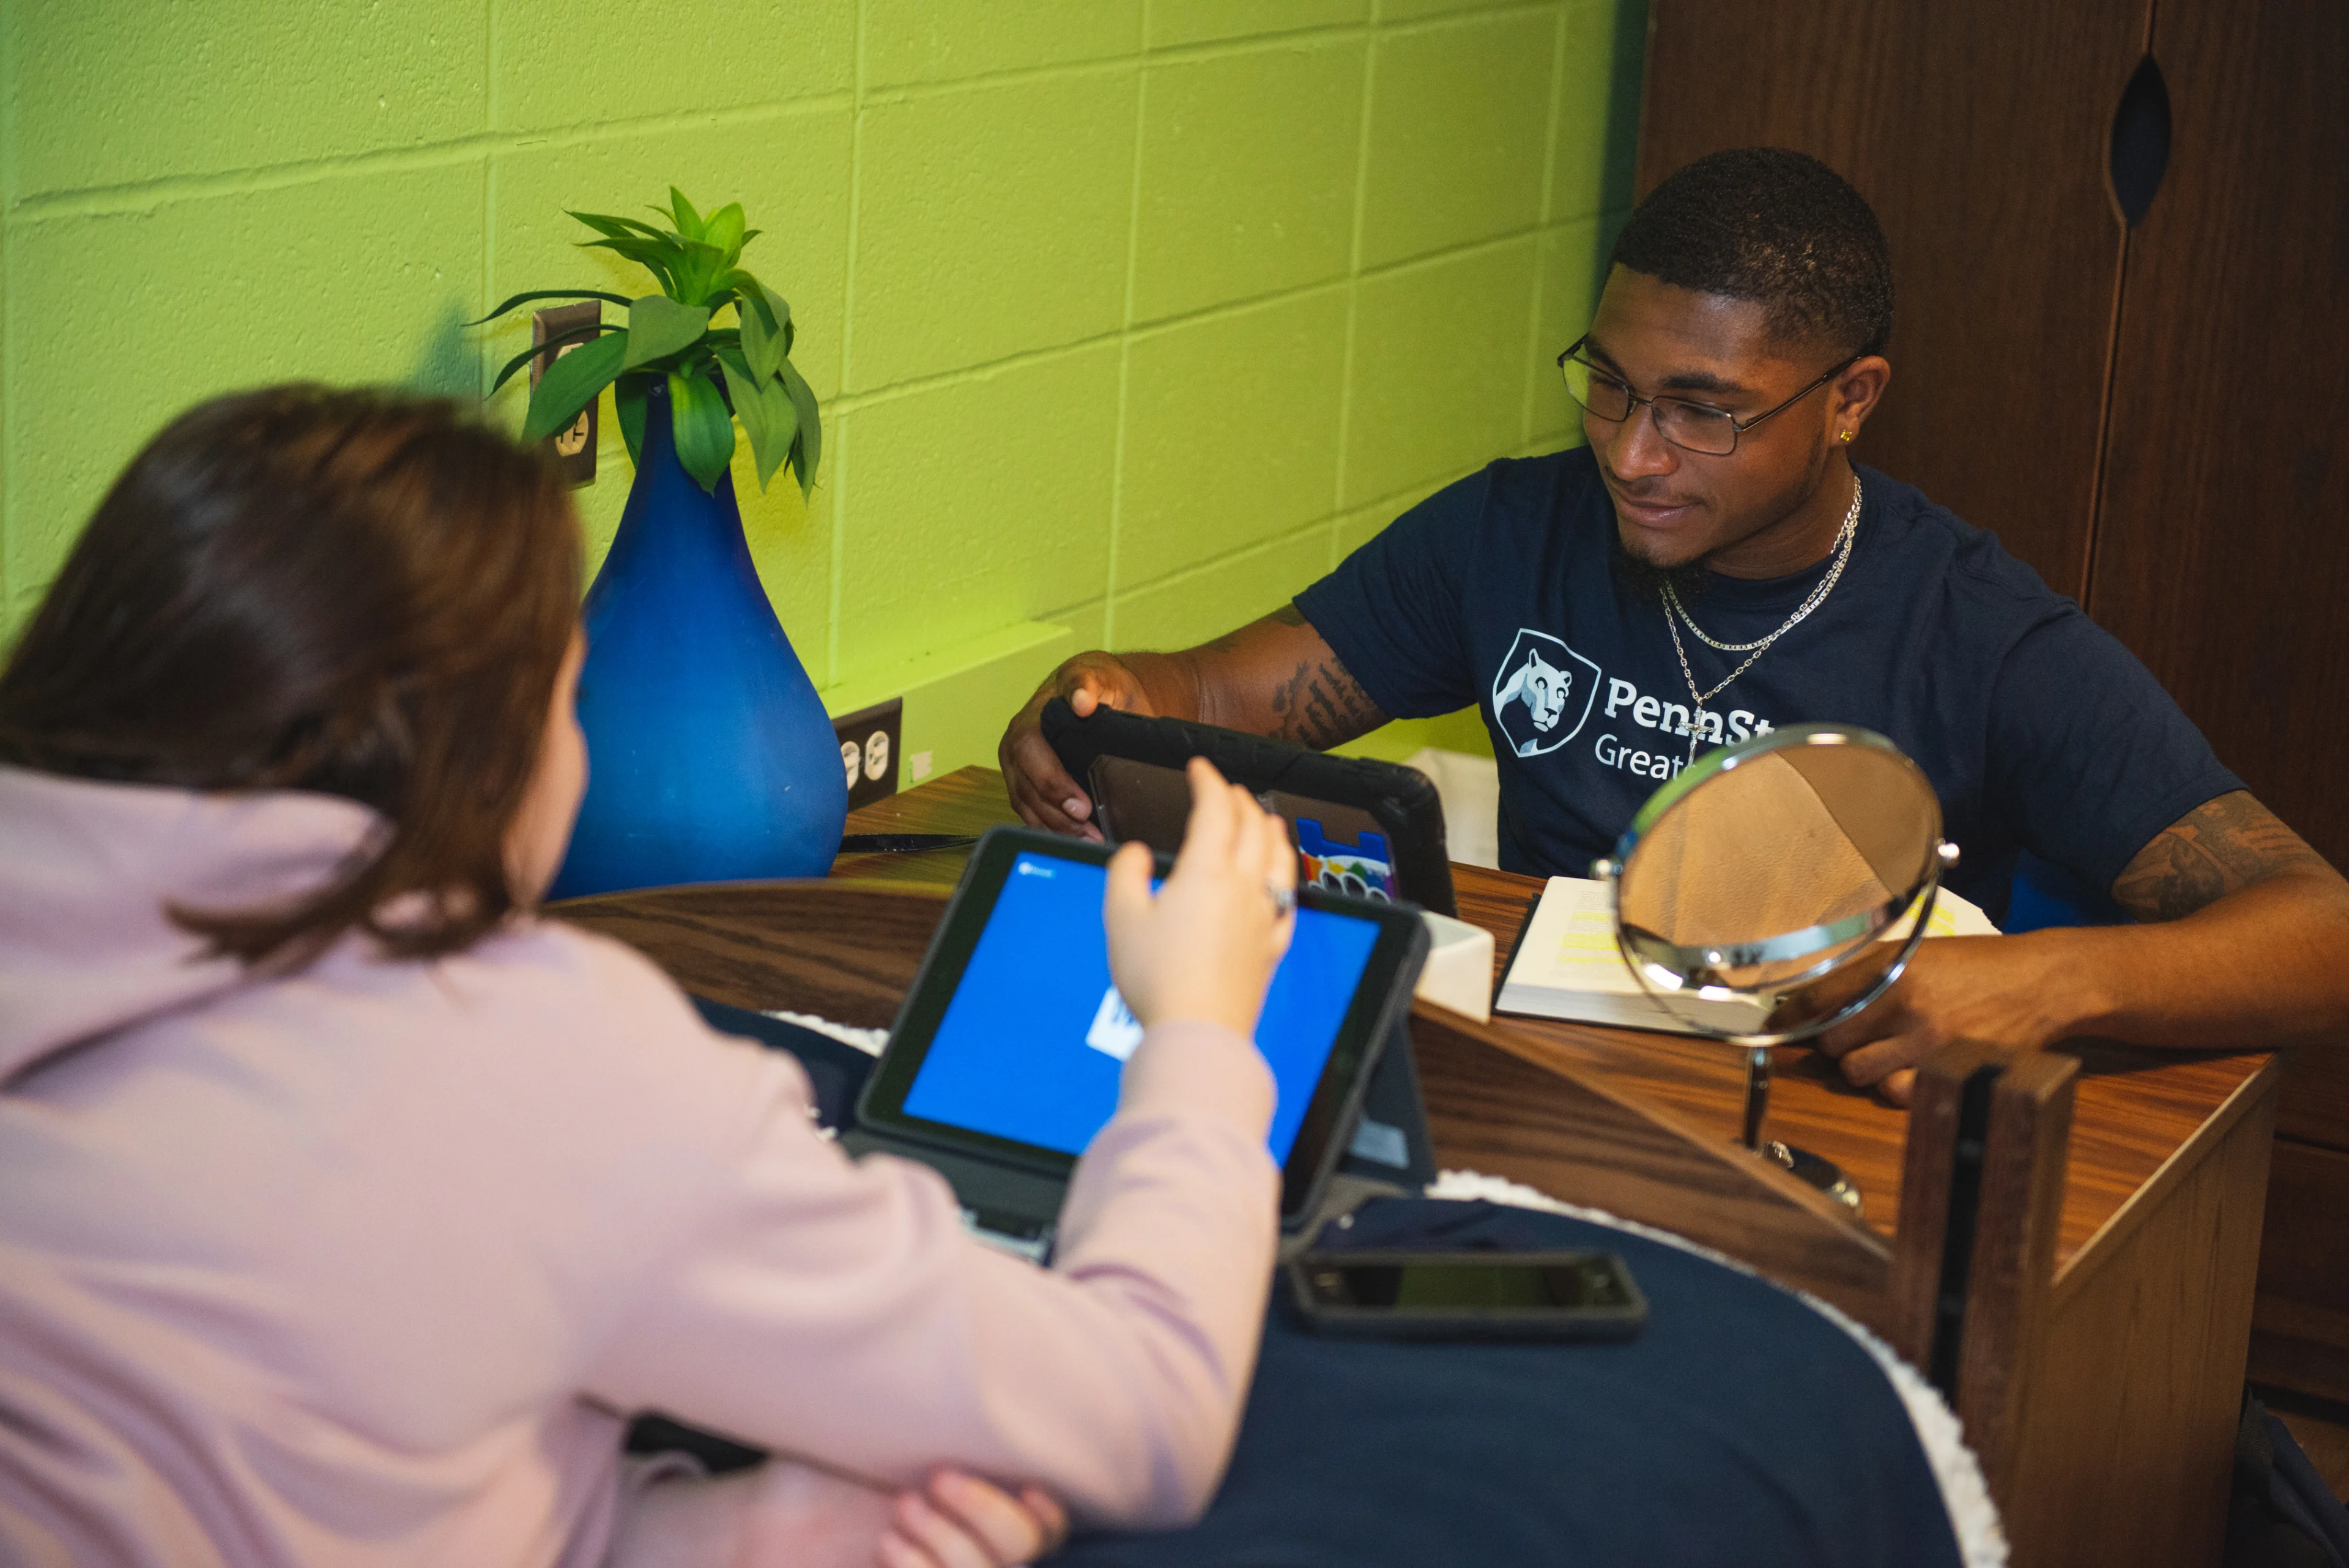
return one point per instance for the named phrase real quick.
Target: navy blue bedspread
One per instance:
(1740, 1427)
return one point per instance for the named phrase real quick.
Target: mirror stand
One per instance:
(1772, 878)
(1758, 1093)
(1823, 1174)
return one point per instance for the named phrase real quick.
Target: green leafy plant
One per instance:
(716, 375)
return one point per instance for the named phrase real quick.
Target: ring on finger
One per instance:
(1283, 896)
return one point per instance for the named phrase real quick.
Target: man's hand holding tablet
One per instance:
(1205, 946)
(1041, 791)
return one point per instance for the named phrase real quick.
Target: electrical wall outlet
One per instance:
(574, 448)
(868, 750)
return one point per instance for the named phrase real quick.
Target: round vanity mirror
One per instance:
(1776, 888)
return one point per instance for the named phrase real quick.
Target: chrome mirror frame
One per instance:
(1668, 971)
(1660, 965)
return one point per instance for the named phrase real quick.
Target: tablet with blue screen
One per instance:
(1006, 1056)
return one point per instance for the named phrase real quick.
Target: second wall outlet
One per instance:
(574, 448)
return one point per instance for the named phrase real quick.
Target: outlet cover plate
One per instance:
(869, 749)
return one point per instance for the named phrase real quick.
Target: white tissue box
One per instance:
(1459, 972)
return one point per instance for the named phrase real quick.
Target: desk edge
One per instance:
(2074, 1273)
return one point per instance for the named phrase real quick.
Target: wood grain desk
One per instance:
(2111, 1300)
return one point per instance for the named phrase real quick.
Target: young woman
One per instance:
(348, 1207)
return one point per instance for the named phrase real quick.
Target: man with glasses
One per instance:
(1711, 566)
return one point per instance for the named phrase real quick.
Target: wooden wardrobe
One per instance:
(2120, 242)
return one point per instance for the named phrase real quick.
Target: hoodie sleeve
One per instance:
(838, 1310)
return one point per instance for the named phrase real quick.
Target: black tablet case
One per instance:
(1402, 800)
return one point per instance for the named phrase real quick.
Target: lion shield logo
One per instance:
(1543, 693)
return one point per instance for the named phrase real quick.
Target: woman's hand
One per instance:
(1205, 945)
(961, 1521)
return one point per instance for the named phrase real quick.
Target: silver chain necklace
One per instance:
(1755, 649)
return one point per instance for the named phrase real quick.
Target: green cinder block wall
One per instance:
(1130, 316)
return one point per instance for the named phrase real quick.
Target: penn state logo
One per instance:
(1542, 694)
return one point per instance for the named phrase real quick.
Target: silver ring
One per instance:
(1284, 898)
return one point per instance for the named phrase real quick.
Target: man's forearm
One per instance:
(1278, 677)
(2266, 965)
(1272, 676)
(2244, 945)
(1170, 680)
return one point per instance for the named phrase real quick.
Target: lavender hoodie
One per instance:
(367, 1264)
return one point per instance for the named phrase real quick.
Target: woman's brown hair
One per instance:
(363, 593)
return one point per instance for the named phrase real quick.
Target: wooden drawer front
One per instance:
(2304, 1254)
(2315, 1106)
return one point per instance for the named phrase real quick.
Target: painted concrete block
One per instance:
(1248, 174)
(1191, 608)
(587, 62)
(1231, 434)
(1399, 741)
(1415, 10)
(1573, 265)
(925, 41)
(974, 503)
(959, 699)
(1365, 522)
(1004, 165)
(1458, 118)
(1086, 623)
(789, 172)
(1439, 367)
(1174, 23)
(991, 222)
(16, 607)
(792, 545)
(247, 288)
(106, 95)
(1598, 133)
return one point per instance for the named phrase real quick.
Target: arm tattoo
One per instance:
(2219, 847)
(1286, 615)
(1322, 705)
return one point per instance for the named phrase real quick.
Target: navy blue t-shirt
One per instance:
(2037, 728)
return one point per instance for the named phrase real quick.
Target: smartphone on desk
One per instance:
(1467, 1295)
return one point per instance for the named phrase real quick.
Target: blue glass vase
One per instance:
(710, 758)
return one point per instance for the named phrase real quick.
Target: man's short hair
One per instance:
(1778, 228)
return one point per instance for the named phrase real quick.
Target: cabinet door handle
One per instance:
(2141, 142)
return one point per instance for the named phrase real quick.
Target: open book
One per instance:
(1567, 964)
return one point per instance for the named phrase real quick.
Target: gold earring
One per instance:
(1846, 436)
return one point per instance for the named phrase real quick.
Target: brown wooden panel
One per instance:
(2282, 1359)
(841, 950)
(2222, 553)
(2315, 1107)
(2304, 1261)
(1980, 134)
(1506, 1102)
(2134, 1108)
(2128, 1421)
(2008, 1288)
(968, 800)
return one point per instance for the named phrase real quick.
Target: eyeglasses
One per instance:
(1690, 426)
